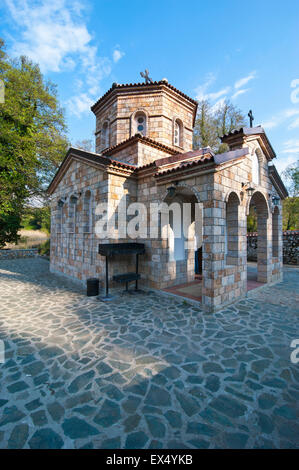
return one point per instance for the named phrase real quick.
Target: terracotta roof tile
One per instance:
(140, 138)
(142, 85)
(205, 155)
(91, 156)
(247, 131)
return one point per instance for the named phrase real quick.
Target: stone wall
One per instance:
(161, 107)
(73, 241)
(290, 247)
(138, 153)
(74, 249)
(221, 189)
(13, 254)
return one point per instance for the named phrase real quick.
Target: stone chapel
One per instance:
(144, 153)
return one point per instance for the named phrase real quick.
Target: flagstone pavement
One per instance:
(146, 371)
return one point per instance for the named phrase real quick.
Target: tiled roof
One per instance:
(142, 85)
(97, 158)
(184, 165)
(90, 156)
(183, 156)
(162, 166)
(139, 138)
(204, 155)
(247, 131)
(277, 182)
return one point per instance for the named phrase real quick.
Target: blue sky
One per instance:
(245, 51)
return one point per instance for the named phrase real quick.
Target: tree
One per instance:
(32, 137)
(252, 220)
(291, 204)
(290, 213)
(36, 218)
(291, 176)
(211, 124)
(85, 144)
(205, 131)
(9, 226)
(228, 117)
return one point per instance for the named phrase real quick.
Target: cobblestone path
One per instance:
(145, 371)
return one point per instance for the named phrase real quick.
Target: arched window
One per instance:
(178, 133)
(87, 212)
(140, 123)
(232, 230)
(72, 213)
(59, 215)
(105, 135)
(255, 169)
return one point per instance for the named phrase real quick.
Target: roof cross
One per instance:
(146, 77)
(251, 118)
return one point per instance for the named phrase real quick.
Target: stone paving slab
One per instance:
(144, 371)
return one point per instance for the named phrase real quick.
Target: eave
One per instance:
(92, 159)
(277, 182)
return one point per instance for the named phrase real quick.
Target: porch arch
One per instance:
(264, 239)
(179, 252)
(232, 232)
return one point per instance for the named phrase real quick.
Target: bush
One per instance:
(44, 248)
(9, 226)
(37, 218)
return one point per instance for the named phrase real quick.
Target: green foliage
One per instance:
(290, 211)
(9, 226)
(44, 248)
(37, 218)
(32, 140)
(291, 177)
(252, 220)
(211, 125)
(205, 130)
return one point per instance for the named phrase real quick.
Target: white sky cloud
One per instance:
(281, 117)
(54, 34)
(202, 91)
(294, 124)
(80, 104)
(239, 92)
(117, 55)
(291, 146)
(218, 94)
(216, 106)
(242, 81)
(281, 163)
(51, 32)
(288, 155)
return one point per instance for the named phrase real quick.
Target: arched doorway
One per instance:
(183, 230)
(232, 232)
(259, 206)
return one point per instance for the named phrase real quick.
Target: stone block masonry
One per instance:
(14, 254)
(290, 246)
(144, 145)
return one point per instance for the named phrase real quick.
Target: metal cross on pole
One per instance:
(146, 77)
(251, 118)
